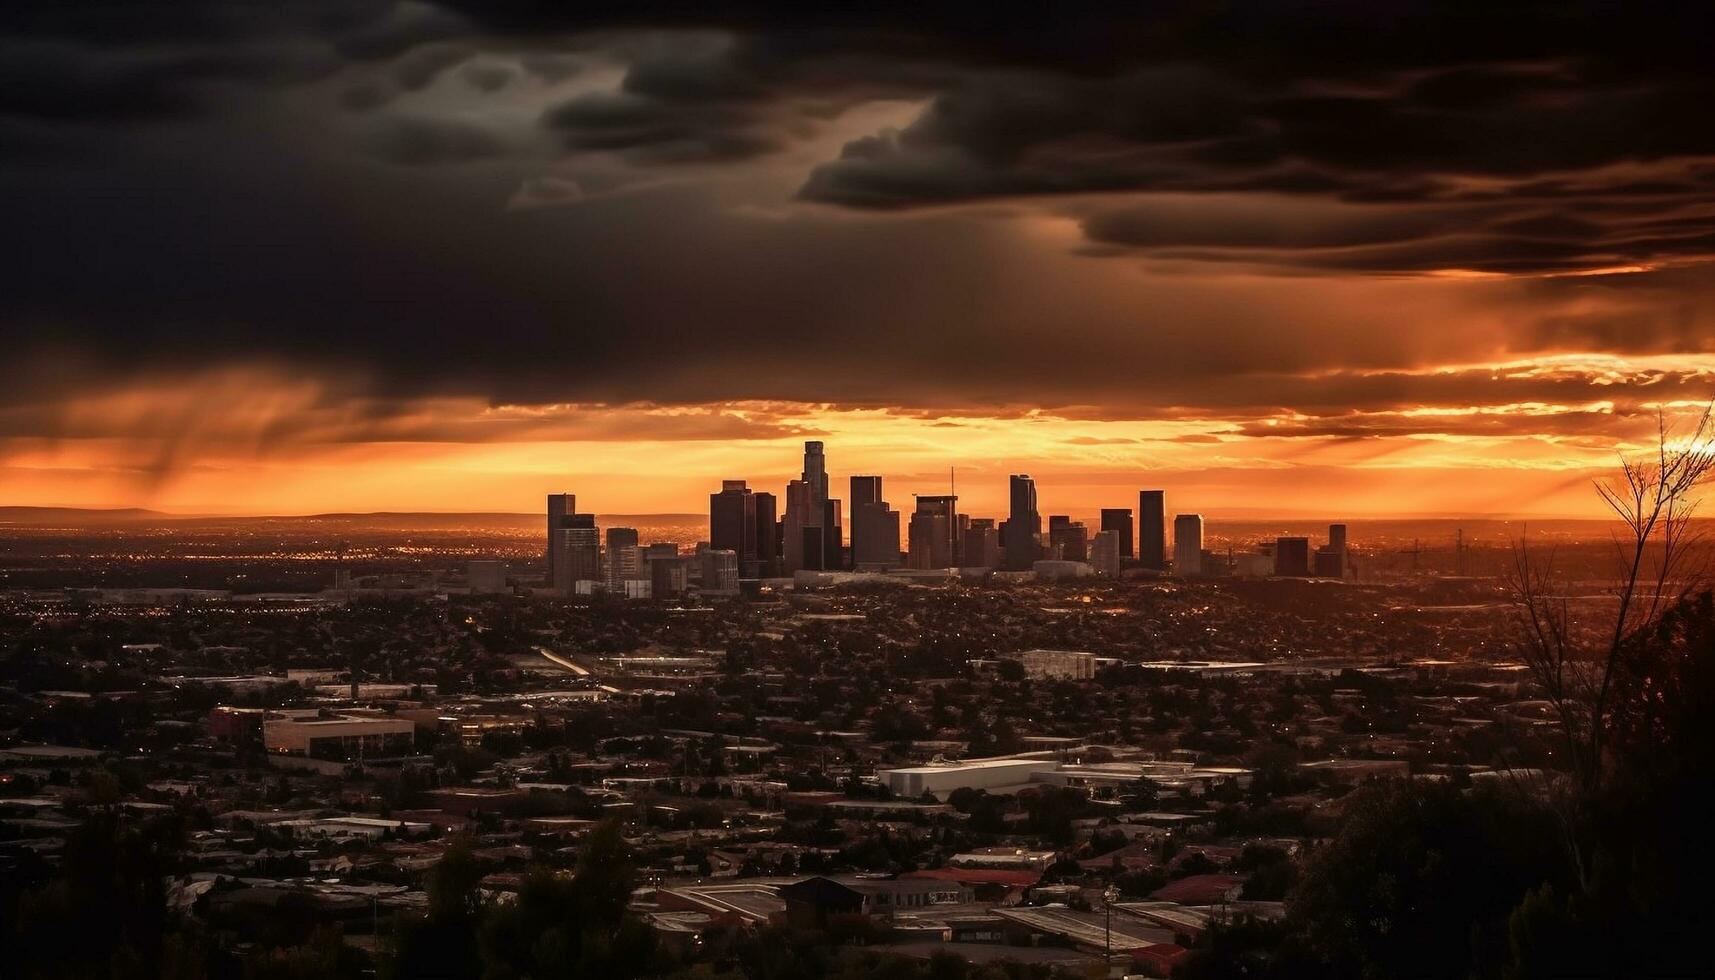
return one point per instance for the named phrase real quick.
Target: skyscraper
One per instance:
(816, 471)
(833, 552)
(766, 564)
(1068, 540)
(1291, 556)
(720, 572)
(1331, 560)
(1187, 543)
(931, 535)
(1152, 529)
(1118, 520)
(577, 553)
(1105, 552)
(560, 506)
(624, 558)
(981, 545)
(806, 544)
(1023, 524)
(875, 526)
(796, 521)
(732, 520)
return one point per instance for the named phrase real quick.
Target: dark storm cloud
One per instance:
(203, 203)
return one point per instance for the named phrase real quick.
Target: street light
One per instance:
(1110, 895)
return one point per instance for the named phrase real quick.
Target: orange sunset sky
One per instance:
(426, 256)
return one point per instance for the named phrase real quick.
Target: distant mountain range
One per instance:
(94, 517)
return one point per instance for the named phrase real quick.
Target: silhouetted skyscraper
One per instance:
(1187, 544)
(932, 531)
(1068, 540)
(981, 546)
(767, 561)
(1023, 524)
(624, 558)
(1118, 520)
(560, 506)
(1291, 556)
(732, 520)
(875, 526)
(833, 550)
(720, 572)
(1152, 529)
(796, 523)
(577, 554)
(1105, 553)
(806, 544)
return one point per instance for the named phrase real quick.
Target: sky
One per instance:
(1299, 258)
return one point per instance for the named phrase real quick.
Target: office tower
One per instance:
(766, 564)
(1105, 551)
(577, 553)
(1118, 520)
(720, 571)
(1291, 556)
(732, 519)
(1187, 543)
(875, 527)
(1023, 524)
(1068, 540)
(624, 558)
(806, 544)
(981, 544)
(795, 522)
(833, 551)
(1328, 563)
(560, 507)
(668, 576)
(660, 551)
(1331, 561)
(865, 490)
(816, 471)
(932, 536)
(1152, 529)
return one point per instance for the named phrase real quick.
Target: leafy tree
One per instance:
(1421, 881)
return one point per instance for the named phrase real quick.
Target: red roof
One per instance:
(1198, 889)
(980, 876)
(1160, 954)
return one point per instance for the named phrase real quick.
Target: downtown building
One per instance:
(1152, 529)
(1068, 540)
(624, 558)
(933, 535)
(1188, 544)
(980, 544)
(813, 538)
(560, 507)
(576, 548)
(875, 527)
(1118, 520)
(1023, 525)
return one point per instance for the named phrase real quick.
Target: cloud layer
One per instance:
(1417, 226)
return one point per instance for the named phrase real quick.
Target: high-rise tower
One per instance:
(1188, 544)
(1152, 529)
(560, 507)
(1023, 524)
